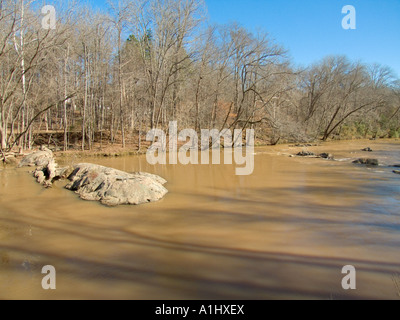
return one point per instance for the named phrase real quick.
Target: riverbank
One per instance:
(115, 150)
(287, 149)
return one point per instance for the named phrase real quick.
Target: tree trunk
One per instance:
(65, 102)
(121, 113)
(3, 138)
(85, 98)
(197, 120)
(22, 53)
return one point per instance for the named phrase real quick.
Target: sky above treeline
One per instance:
(311, 30)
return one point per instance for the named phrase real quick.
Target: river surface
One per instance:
(284, 232)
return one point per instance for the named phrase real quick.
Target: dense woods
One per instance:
(108, 77)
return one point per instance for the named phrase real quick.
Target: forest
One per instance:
(105, 77)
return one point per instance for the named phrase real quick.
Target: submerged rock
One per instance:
(306, 154)
(369, 162)
(310, 154)
(326, 156)
(304, 145)
(113, 187)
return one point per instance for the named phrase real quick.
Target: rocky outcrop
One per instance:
(113, 187)
(298, 145)
(306, 154)
(309, 154)
(368, 162)
(10, 160)
(326, 156)
(46, 171)
(46, 174)
(97, 183)
(63, 173)
(37, 159)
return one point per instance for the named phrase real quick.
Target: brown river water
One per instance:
(284, 232)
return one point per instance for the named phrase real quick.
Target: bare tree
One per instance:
(113, 75)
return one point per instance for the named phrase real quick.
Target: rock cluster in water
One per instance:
(368, 162)
(306, 154)
(362, 161)
(97, 183)
(46, 171)
(310, 154)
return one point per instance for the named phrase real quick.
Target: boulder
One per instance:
(37, 159)
(396, 171)
(304, 145)
(326, 156)
(113, 187)
(310, 154)
(306, 154)
(369, 162)
(160, 180)
(46, 175)
(367, 150)
(46, 171)
(396, 165)
(40, 177)
(10, 160)
(63, 173)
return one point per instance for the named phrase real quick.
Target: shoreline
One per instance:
(112, 151)
(120, 152)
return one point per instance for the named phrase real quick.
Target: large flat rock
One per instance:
(114, 187)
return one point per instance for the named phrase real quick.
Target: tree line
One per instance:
(108, 76)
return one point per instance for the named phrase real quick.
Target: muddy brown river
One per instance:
(284, 232)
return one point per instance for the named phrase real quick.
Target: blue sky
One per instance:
(311, 30)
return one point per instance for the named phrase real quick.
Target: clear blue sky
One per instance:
(311, 30)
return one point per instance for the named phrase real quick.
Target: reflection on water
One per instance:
(286, 231)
